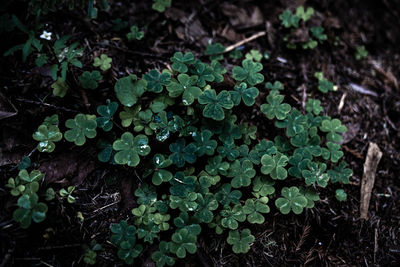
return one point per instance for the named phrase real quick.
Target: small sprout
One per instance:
(134, 33)
(59, 87)
(325, 86)
(249, 72)
(254, 55)
(160, 6)
(89, 80)
(240, 240)
(81, 126)
(291, 200)
(129, 148)
(104, 62)
(314, 106)
(289, 20)
(361, 53)
(340, 195)
(68, 194)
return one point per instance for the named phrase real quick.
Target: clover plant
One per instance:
(161, 5)
(134, 34)
(103, 62)
(361, 53)
(89, 80)
(67, 193)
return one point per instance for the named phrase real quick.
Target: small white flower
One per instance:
(46, 35)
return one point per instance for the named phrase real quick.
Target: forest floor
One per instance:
(367, 101)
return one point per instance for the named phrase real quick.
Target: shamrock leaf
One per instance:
(182, 153)
(318, 33)
(340, 195)
(29, 209)
(229, 150)
(182, 242)
(146, 195)
(206, 204)
(81, 126)
(148, 232)
(218, 71)
(316, 173)
(248, 95)
(274, 166)
(130, 148)
(299, 163)
(263, 187)
(361, 52)
(291, 200)
(107, 152)
(289, 20)
(160, 175)
(254, 208)
(225, 196)
(163, 127)
(324, 85)
(311, 195)
(294, 123)
(275, 108)
(104, 62)
(204, 145)
(186, 85)
(134, 33)
(156, 80)
(179, 61)
(161, 257)
(254, 55)
(106, 113)
(333, 128)
(215, 105)
(215, 51)
(215, 166)
(182, 185)
(314, 105)
(124, 237)
(304, 15)
(47, 135)
(249, 72)
(204, 73)
(249, 132)
(242, 172)
(129, 89)
(89, 80)
(59, 87)
(240, 241)
(333, 152)
(231, 216)
(340, 173)
(276, 86)
(207, 180)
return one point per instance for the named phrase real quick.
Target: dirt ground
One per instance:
(331, 234)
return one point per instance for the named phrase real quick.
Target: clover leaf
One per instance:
(106, 112)
(314, 106)
(129, 89)
(185, 85)
(289, 20)
(318, 33)
(361, 52)
(181, 153)
(156, 80)
(240, 240)
(104, 62)
(229, 150)
(231, 216)
(249, 132)
(215, 166)
(134, 33)
(299, 163)
(29, 210)
(316, 174)
(215, 51)
(340, 195)
(291, 200)
(89, 80)
(215, 105)
(340, 173)
(81, 126)
(254, 207)
(275, 108)
(242, 172)
(274, 165)
(59, 87)
(163, 127)
(333, 128)
(276, 86)
(129, 148)
(311, 195)
(263, 187)
(333, 152)
(124, 236)
(146, 194)
(160, 6)
(182, 184)
(206, 204)
(249, 72)
(160, 175)
(254, 55)
(47, 135)
(161, 257)
(205, 146)
(204, 72)
(248, 95)
(188, 223)
(324, 85)
(218, 71)
(148, 232)
(180, 61)
(181, 242)
(294, 123)
(304, 15)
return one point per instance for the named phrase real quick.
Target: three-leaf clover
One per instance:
(254, 55)
(340, 173)
(204, 72)
(249, 72)
(225, 196)
(216, 166)
(274, 165)
(181, 153)
(240, 240)
(47, 135)
(129, 89)
(294, 123)
(215, 105)
(179, 61)
(333, 152)
(248, 95)
(340, 195)
(59, 87)
(205, 146)
(361, 52)
(156, 80)
(182, 242)
(160, 175)
(289, 20)
(316, 173)
(263, 187)
(254, 207)
(124, 236)
(81, 126)
(314, 106)
(89, 79)
(104, 62)
(324, 85)
(134, 33)
(129, 149)
(231, 216)
(161, 257)
(185, 85)
(291, 200)
(29, 209)
(276, 86)
(275, 108)
(160, 6)
(333, 128)
(206, 204)
(106, 112)
(242, 172)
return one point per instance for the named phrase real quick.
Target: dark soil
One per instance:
(331, 234)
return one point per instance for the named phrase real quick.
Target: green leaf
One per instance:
(294, 123)
(215, 105)
(182, 242)
(274, 166)
(160, 175)
(146, 194)
(214, 49)
(304, 15)
(289, 20)
(160, 6)
(161, 257)
(340, 195)
(229, 150)
(215, 166)
(59, 87)
(334, 151)
(129, 149)
(314, 106)
(204, 144)
(318, 33)
(311, 195)
(134, 34)
(316, 174)
(325, 86)
(129, 89)
(204, 72)
(231, 216)
(361, 52)
(184, 85)
(106, 112)
(180, 61)
(225, 196)
(254, 207)
(156, 80)
(291, 200)
(206, 204)
(263, 187)
(340, 173)
(242, 93)
(240, 240)
(103, 62)
(181, 153)
(81, 126)
(25, 163)
(249, 72)
(276, 86)
(254, 55)
(242, 172)
(275, 108)
(333, 128)
(47, 135)
(89, 80)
